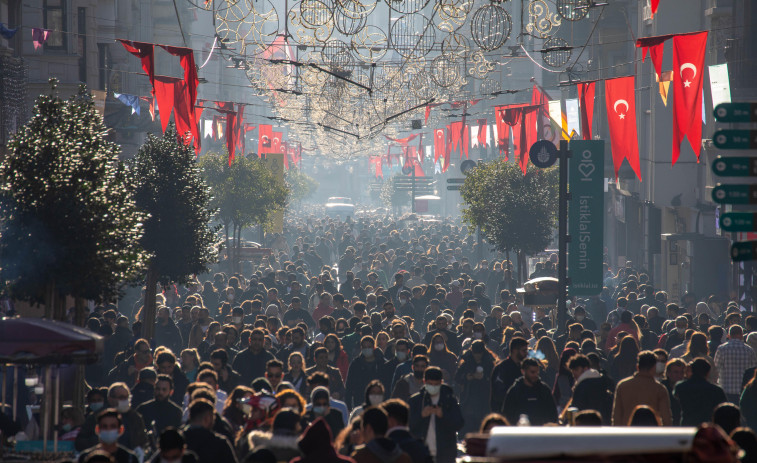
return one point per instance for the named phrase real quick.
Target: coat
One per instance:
(414, 447)
(594, 391)
(537, 402)
(283, 446)
(446, 426)
(698, 398)
(381, 450)
(251, 366)
(503, 377)
(315, 444)
(360, 373)
(640, 389)
(209, 446)
(134, 434)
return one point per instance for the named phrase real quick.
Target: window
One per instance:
(55, 20)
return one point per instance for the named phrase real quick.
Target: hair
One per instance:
(433, 374)
(397, 409)
(579, 361)
(167, 379)
(207, 374)
(275, 363)
(644, 415)
(199, 408)
(170, 439)
(376, 418)
(116, 385)
(547, 347)
(646, 360)
(727, 416)
(697, 346)
(371, 385)
(529, 362)
(434, 339)
(587, 418)
(282, 396)
(700, 367)
(318, 379)
(110, 413)
(492, 419)
(517, 343)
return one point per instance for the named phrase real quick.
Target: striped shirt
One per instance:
(731, 360)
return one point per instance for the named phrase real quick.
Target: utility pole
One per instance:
(412, 192)
(563, 238)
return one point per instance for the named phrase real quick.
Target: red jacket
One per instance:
(612, 337)
(321, 311)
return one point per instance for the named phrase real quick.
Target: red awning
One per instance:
(41, 341)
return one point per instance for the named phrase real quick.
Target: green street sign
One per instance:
(735, 139)
(586, 217)
(736, 166)
(744, 250)
(455, 180)
(738, 221)
(735, 194)
(736, 112)
(454, 187)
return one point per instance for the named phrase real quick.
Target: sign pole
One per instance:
(562, 233)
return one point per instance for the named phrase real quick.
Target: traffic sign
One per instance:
(738, 221)
(455, 180)
(735, 194)
(543, 154)
(741, 166)
(736, 112)
(735, 139)
(454, 187)
(744, 250)
(468, 164)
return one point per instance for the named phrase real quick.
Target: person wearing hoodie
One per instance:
(531, 397)
(592, 391)
(378, 448)
(364, 369)
(320, 399)
(435, 416)
(281, 440)
(315, 445)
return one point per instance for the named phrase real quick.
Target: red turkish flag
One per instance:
(620, 101)
(688, 66)
(276, 142)
(586, 102)
(656, 47)
(265, 134)
(439, 145)
(482, 128)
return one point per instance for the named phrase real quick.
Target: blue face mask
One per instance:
(109, 436)
(319, 410)
(368, 352)
(96, 406)
(401, 356)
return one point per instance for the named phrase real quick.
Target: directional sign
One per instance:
(455, 180)
(735, 194)
(736, 112)
(543, 154)
(741, 166)
(744, 250)
(454, 187)
(735, 139)
(738, 221)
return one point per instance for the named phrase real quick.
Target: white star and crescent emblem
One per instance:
(615, 108)
(684, 66)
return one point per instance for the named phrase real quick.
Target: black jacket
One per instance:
(698, 398)
(210, 447)
(168, 335)
(535, 401)
(595, 394)
(413, 446)
(165, 413)
(503, 377)
(251, 366)
(446, 426)
(360, 373)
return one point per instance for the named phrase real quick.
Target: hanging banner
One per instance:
(574, 119)
(720, 85)
(586, 217)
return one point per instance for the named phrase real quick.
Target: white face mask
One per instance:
(660, 368)
(236, 320)
(123, 406)
(375, 399)
(580, 318)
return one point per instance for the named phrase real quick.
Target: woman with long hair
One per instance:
(296, 374)
(698, 348)
(551, 362)
(440, 356)
(624, 362)
(374, 395)
(235, 409)
(190, 364)
(562, 390)
(338, 358)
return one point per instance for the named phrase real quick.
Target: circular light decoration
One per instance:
(407, 6)
(369, 45)
(350, 17)
(315, 13)
(573, 10)
(490, 27)
(455, 45)
(542, 22)
(450, 15)
(556, 52)
(489, 86)
(412, 36)
(445, 71)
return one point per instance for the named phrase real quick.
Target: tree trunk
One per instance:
(148, 322)
(50, 300)
(79, 303)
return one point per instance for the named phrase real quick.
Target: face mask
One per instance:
(580, 318)
(368, 352)
(418, 374)
(477, 335)
(375, 399)
(230, 297)
(66, 427)
(438, 347)
(246, 409)
(163, 460)
(319, 410)
(109, 437)
(236, 320)
(96, 406)
(401, 356)
(681, 331)
(433, 389)
(403, 301)
(660, 368)
(123, 406)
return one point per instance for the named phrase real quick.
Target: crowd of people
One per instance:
(374, 340)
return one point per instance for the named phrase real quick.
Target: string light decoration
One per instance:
(13, 84)
(340, 73)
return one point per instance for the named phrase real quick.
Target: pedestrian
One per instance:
(529, 396)
(378, 448)
(697, 396)
(641, 389)
(435, 416)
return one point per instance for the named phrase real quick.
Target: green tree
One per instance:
(515, 212)
(177, 235)
(301, 185)
(69, 222)
(245, 193)
(393, 198)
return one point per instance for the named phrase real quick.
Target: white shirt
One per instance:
(431, 434)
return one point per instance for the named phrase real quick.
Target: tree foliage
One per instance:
(245, 193)
(301, 185)
(170, 188)
(515, 212)
(69, 222)
(391, 197)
